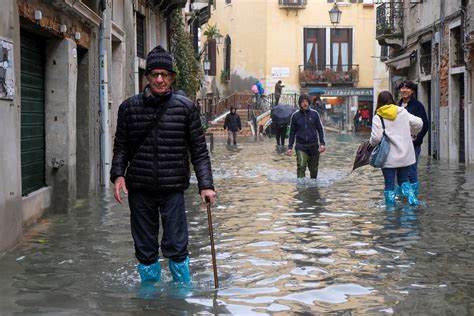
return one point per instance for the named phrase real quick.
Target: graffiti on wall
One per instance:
(7, 77)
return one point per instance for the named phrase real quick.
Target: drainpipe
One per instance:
(436, 100)
(104, 41)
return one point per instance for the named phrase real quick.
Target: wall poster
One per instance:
(7, 77)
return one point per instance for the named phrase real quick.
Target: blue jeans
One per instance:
(389, 177)
(413, 169)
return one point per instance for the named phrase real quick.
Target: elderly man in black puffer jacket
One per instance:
(158, 134)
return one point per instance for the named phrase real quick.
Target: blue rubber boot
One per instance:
(180, 270)
(414, 187)
(151, 272)
(408, 192)
(389, 198)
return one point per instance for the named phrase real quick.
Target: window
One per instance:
(457, 59)
(140, 35)
(228, 1)
(341, 49)
(315, 49)
(425, 58)
(227, 53)
(383, 53)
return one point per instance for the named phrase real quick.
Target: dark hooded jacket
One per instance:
(232, 121)
(161, 162)
(306, 128)
(416, 108)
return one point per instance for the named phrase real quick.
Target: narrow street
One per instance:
(283, 246)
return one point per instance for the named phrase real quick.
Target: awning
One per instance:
(400, 61)
(316, 91)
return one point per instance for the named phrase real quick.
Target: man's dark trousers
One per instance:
(146, 209)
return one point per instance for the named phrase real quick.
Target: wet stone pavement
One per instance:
(283, 246)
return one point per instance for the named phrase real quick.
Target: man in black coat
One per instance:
(232, 124)
(158, 133)
(415, 107)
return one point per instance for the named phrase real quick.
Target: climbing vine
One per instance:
(187, 66)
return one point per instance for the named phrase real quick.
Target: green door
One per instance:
(32, 113)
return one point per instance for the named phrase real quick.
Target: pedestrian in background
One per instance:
(280, 131)
(415, 107)
(158, 132)
(232, 125)
(399, 126)
(278, 88)
(306, 129)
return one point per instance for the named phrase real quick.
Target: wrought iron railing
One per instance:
(289, 4)
(334, 74)
(213, 107)
(390, 19)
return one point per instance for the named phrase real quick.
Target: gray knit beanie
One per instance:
(159, 58)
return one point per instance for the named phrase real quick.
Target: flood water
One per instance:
(283, 246)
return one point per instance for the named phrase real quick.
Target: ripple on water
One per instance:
(284, 245)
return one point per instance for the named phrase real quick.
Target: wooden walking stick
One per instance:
(211, 236)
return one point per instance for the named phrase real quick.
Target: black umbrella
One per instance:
(281, 113)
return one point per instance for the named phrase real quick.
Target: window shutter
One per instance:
(212, 56)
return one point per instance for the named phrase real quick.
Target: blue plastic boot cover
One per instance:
(398, 191)
(414, 186)
(151, 272)
(180, 270)
(389, 198)
(408, 192)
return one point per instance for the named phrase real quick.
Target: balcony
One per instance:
(389, 31)
(329, 75)
(292, 4)
(166, 7)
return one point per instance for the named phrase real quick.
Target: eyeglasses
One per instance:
(155, 75)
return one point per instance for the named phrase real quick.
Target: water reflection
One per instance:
(284, 245)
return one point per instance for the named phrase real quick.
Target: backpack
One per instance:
(254, 88)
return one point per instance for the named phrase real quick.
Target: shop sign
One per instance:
(280, 72)
(348, 92)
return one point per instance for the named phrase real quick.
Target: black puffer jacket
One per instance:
(161, 163)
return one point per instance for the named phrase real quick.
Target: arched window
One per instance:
(227, 52)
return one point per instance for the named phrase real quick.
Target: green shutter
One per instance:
(32, 113)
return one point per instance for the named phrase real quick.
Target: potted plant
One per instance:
(212, 32)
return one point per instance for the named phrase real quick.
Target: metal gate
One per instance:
(32, 113)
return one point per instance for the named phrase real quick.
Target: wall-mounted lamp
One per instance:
(219, 39)
(38, 15)
(63, 28)
(77, 36)
(207, 65)
(335, 14)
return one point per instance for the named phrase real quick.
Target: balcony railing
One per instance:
(389, 30)
(328, 74)
(292, 4)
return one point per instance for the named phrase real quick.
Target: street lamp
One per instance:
(335, 14)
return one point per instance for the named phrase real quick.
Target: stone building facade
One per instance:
(430, 43)
(66, 65)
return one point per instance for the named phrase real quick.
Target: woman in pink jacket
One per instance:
(400, 128)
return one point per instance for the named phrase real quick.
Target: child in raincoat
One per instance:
(400, 128)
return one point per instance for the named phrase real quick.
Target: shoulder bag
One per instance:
(380, 153)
